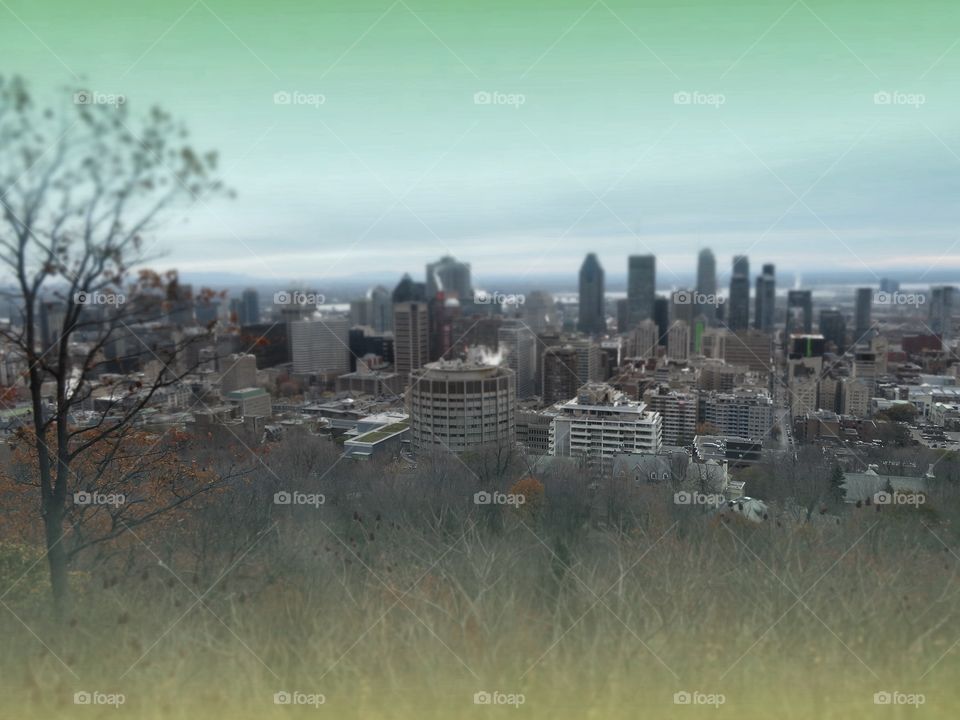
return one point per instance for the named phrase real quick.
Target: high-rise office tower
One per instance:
(443, 312)
(592, 317)
(623, 316)
(833, 327)
(320, 345)
(518, 344)
(940, 313)
(678, 341)
(539, 312)
(411, 337)
(451, 276)
(381, 309)
(560, 376)
(864, 303)
(360, 312)
(409, 291)
(644, 340)
(661, 316)
(738, 316)
(249, 311)
(641, 286)
(765, 299)
(799, 312)
(707, 282)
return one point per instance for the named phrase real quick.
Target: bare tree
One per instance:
(80, 187)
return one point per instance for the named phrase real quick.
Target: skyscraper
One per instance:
(539, 311)
(678, 341)
(738, 317)
(592, 318)
(451, 276)
(799, 312)
(661, 316)
(862, 315)
(833, 327)
(940, 315)
(249, 310)
(707, 282)
(319, 345)
(381, 309)
(409, 291)
(641, 286)
(518, 343)
(411, 337)
(765, 299)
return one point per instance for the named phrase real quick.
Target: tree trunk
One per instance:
(57, 558)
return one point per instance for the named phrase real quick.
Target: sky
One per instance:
(373, 136)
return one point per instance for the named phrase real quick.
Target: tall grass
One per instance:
(400, 598)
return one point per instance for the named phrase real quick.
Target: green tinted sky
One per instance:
(400, 165)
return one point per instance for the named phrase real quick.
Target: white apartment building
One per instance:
(738, 414)
(601, 423)
(678, 413)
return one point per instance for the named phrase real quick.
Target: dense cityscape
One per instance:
(435, 365)
(376, 359)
